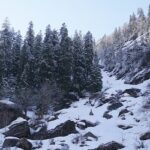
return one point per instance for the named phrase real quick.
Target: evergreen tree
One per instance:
(79, 80)
(133, 26)
(28, 59)
(141, 21)
(38, 48)
(47, 62)
(89, 54)
(95, 80)
(65, 61)
(6, 42)
(16, 50)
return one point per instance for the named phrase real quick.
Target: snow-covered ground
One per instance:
(107, 130)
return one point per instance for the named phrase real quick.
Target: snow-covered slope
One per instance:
(106, 129)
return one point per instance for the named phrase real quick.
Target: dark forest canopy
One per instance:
(70, 64)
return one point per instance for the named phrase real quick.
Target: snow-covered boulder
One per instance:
(145, 136)
(19, 128)
(10, 142)
(114, 106)
(133, 92)
(24, 144)
(9, 111)
(110, 146)
(63, 129)
(18, 143)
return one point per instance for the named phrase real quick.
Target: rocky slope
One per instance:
(117, 118)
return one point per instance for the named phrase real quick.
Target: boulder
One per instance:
(63, 129)
(110, 146)
(107, 115)
(83, 124)
(114, 106)
(140, 77)
(122, 112)
(15, 142)
(145, 136)
(9, 112)
(90, 135)
(124, 127)
(10, 142)
(133, 92)
(24, 144)
(18, 129)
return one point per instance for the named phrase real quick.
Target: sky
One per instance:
(98, 16)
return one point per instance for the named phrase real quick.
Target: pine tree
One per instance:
(38, 48)
(89, 52)
(6, 42)
(133, 26)
(141, 21)
(16, 51)
(65, 61)
(47, 62)
(28, 59)
(79, 80)
(95, 81)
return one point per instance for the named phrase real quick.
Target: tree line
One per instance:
(127, 50)
(67, 64)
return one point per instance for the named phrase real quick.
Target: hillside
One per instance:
(126, 119)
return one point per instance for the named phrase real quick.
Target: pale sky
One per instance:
(98, 16)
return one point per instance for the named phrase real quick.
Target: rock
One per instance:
(107, 115)
(10, 142)
(122, 112)
(140, 77)
(110, 146)
(145, 136)
(24, 144)
(91, 113)
(83, 124)
(52, 118)
(15, 142)
(124, 127)
(9, 112)
(114, 106)
(63, 129)
(19, 129)
(133, 92)
(89, 134)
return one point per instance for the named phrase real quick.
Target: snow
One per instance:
(106, 130)
(6, 101)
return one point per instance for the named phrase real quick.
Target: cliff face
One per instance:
(129, 60)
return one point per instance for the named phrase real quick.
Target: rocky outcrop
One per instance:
(145, 136)
(24, 144)
(83, 124)
(90, 135)
(123, 111)
(15, 142)
(133, 92)
(114, 106)
(124, 127)
(19, 129)
(10, 142)
(107, 115)
(9, 112)
(63, 129)
(110, 146)
(139, 77)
